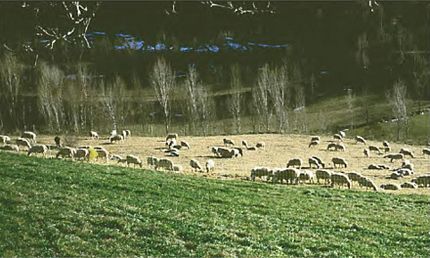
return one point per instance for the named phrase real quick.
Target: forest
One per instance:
(199, 68)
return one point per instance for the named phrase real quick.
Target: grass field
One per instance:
(52, 207)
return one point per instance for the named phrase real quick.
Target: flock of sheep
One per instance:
(294, 172)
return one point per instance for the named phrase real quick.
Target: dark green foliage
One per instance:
(60, 208)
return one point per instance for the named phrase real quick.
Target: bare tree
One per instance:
(50, 83)
(300, 108)
(278, 87)
(350, 104)
(163, 81)
(235, 100)
(397, 99)
(11, 73)
(260, 96)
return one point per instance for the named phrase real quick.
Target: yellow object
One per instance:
(93, 154)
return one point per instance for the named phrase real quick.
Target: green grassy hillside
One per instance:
(60, 208)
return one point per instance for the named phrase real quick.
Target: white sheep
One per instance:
(118, 158)
(340, 179)
(152, 161)
(313, 143)
(342, 133)
(260, 172)
(406, 152)
(313, 161)
(228, 142)
(366, 152)
(41, 148)
(239, 149)
(290, 175)
(132, 159)
(102, 153)
(94, 135)
(322, 164)
(295, 162)
(66, 152)
(195, 165)
(4, 139)
(10, 147)
(29, 135)
(339, 161)
(426, 151)
(324, 175)
(306, 176)
(409, 185)
(359, 139)
(368, 183)
(260, 145)
(116, 138)
(185, 144)
(171, 136)
(83, 154)
(423, 180)
(210, 165)
(390, 186)
(394, 156)
(340, 147)
(165, 164)
(23, 142)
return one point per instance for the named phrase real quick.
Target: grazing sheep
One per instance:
(366, 152)
(185, 144)
(324, 175)
(151, 161)
(338, 137)
(260, 172)
(4, 139)
(171, 142)
(290, 175)
(340, 179)
(118, 158)
(23, 142)
(225, 153)
(314, 162)
(228, 142)
(404, 171)
(94, 135)
(394, 156)
(409, 185)
(66, 152)
(102, 153)
(422, 181)
(235, 152)
(375, 149)
(43, 149)
(306, 176)
(322, 164)
(407, 164)
(10, 147)
(214, 150)
(406, 152)
(240, 150)
(331, 146)
(367, 182)
(340, 147)
(210, 165)
(390, 186)
(29, 135)
(132, 159)
(359, 139)
(116, 138)
(195, 165)
(395, 175)
(313, 143)
(165, 164)
(127, 133)
(171, 136)
(354, 176)
(83, 154)
(339, 161)
(177, 168)
(295, 162)
(342, 133)
(260, 145)
(385, 144)
(426, 151)
(315, 138)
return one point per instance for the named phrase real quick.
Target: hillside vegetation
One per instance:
(58, 208)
